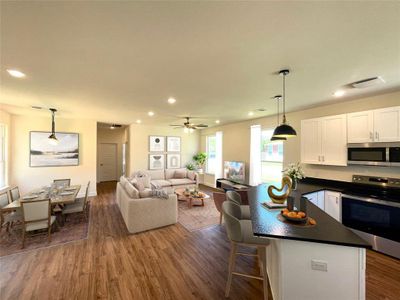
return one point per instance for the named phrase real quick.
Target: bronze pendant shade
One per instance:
(52, 137)
(284, 130)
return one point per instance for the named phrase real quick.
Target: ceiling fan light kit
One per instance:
(284, 130)
(189, 127)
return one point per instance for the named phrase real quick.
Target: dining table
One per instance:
(57, 196)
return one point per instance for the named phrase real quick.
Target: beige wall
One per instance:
(5, 119)
(117, 136)
(28, 178)
(236, 138)
(139, 144)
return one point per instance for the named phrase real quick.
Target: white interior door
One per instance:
(107, 162)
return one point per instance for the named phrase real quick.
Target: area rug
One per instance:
(198, 217)
(75, 228)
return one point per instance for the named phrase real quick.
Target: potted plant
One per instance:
(199, 160)
(190, 166)
(295, 172)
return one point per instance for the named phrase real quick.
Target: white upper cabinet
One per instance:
(311, 141)
(360, 127)
(323, 141)
(380, 125)
(334, 141)
(387, 124)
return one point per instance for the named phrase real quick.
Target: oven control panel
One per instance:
(380, 181)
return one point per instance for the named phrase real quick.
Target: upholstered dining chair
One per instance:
(235, 197)
(14, 193)
(240, 233)
(64, 182)
(219, 198)
(79, 206)
(8, 218)
(36, 216)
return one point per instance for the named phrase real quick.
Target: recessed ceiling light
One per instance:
(150, 113)
(250, 113)
(16, 73)
(171, 100)
(339, 93)
(138, 121)
(217, 121)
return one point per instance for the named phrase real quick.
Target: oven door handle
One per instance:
(371, 200)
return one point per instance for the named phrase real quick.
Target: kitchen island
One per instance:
(324, 261)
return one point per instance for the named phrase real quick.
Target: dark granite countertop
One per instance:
(327, 230)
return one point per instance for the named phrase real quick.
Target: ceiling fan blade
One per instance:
(201, 125)
(176, 125)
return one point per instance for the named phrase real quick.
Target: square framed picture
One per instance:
(173, 144)
(44, 154)
(156, 162)
(156, 143)
(173, 161)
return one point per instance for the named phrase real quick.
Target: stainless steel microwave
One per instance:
(374, 154)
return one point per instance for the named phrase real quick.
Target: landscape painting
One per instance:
(44, 154)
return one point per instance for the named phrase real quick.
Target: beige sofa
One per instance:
(141, 214)
(168, 179)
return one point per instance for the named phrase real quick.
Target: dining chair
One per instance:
(240, 233)
(36, 216)
(79, 206)
(235, 197)
(219, 198)
(64, 182)
(8, 218)
(14, 192)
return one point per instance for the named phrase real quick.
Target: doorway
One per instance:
(108, 162)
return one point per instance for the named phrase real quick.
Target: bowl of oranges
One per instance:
(294, 215)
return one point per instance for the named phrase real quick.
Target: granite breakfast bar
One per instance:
(322, 261)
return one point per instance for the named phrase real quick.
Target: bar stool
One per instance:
(236, 198)
(240, 233)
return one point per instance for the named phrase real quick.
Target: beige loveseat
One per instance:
(141, 214)
(171, 179)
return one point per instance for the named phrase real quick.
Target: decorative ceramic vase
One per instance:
(294, 184)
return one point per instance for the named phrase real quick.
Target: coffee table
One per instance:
(190, 199)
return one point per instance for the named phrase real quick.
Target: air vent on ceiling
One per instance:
(367, 82)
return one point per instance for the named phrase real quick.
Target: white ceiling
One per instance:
(114, 61)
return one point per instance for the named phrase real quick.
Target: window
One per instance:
(2, 156)
(211, 154)
(271, 158)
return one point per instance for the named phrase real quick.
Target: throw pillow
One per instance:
(180, 174)
(191, 175)
(145, 181)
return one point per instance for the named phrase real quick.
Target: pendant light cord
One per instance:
(284, 97)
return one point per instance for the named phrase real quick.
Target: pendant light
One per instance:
(52, 137)
(284, 130)
(275, 138)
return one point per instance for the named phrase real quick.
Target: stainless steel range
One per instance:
(372, 210)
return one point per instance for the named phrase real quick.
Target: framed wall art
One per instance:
(173, 144)
(173, 160)
(156, 162)
(156, 143)
(44, 154)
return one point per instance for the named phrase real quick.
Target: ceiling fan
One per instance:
(188, 126)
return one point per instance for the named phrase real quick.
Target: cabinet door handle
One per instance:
(319, 158)
(371, 135)
(376, 135)
(323, 158)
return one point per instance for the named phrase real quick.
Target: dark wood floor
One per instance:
(169, 263)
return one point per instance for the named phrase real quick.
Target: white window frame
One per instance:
(3, 156)
(207, 151)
